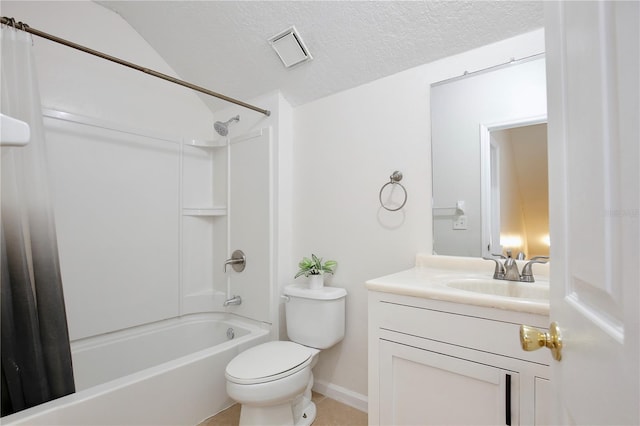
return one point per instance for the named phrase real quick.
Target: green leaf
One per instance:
(314, 266)
(305, 263)
(329, 266)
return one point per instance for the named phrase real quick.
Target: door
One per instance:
(420, 387)
(592, 77)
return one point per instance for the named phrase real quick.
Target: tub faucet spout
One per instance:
(235, 300)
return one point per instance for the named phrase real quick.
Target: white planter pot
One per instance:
(316, 281)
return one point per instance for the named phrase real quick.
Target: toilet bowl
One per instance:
(273, 381)
(266, 380)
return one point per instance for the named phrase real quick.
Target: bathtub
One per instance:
(165, 373)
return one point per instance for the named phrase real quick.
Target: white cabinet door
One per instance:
(593, 90)
(542, 402)
(420, 387)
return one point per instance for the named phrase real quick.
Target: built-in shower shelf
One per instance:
(213, 211)
(218, 143)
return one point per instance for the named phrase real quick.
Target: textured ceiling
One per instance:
(222, 45)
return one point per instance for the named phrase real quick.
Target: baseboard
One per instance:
(346, 396)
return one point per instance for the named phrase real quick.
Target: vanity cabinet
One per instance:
(434, 362)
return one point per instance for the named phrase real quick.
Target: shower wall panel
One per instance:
(251, 222)
(201, 217)
(117, 208)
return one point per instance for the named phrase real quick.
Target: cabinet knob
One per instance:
(532, 339)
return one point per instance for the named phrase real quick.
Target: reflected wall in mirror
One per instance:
(471, 118)
(519, 191)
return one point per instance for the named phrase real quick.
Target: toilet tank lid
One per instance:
(323, 293)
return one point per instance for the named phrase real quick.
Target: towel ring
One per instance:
(394, 179)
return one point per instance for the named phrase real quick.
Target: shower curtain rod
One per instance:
(24, 27)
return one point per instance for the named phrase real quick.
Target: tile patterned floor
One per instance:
(330, 413)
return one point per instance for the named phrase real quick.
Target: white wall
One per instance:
(345, 148)
(80, 83)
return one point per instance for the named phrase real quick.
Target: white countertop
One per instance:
(429, 278)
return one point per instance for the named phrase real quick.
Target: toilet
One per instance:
(273, 381)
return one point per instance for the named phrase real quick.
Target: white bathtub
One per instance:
(166, 373)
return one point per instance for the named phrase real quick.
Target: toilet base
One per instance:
(299, 412)
(308, 415)
(277, 414)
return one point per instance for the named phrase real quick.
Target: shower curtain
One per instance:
(36, 357)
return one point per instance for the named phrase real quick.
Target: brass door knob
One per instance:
(532, 339)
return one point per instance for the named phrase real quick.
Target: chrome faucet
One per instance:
(527, 273)
(498, 273)
(509, 271)
(235, 300)
(238, 261)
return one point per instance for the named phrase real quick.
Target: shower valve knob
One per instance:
(238, 261)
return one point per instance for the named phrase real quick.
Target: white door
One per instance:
(592, 76)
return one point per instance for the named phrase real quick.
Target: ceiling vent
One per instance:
(290, 48)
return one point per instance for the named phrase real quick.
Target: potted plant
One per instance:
(315, 269)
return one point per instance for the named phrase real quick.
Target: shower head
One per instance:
(223, 128)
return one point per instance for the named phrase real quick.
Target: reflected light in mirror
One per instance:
(546, 240)
(510, 241)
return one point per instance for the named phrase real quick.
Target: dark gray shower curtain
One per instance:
(35, 351)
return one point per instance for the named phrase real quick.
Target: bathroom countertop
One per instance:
(429, 278)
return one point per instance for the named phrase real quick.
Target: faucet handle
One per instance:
(499, 272)
(502, 256)
(527, 272)
(545, 258)
(238, 261)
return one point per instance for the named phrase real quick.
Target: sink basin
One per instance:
(466, 281)
(502, 288)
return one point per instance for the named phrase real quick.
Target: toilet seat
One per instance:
(269, 362)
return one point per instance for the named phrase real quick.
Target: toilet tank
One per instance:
(315, 318)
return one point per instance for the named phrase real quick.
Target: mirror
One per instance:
(489, 171)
